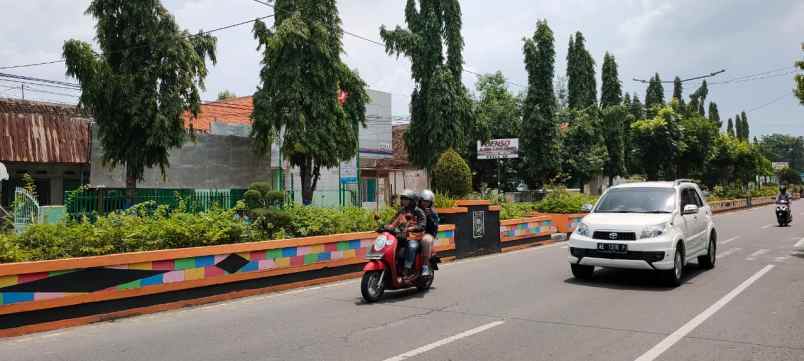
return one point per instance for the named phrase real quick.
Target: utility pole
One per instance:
(22, 90)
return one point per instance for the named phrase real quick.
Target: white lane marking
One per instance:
(781, 259)
(732, 239)
(756, 254)
(688, 327)
(445, 341)
(728, 252)
(767, 226)
(799, 245)
(564, 247)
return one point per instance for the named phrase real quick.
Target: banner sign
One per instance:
(498, 149)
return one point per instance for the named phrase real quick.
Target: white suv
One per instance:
(652, 225)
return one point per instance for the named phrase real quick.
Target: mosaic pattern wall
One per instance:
(528, 228)
(60, 284)
(574, 221)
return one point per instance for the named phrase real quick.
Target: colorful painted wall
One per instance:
(73, 281)
(524, 228)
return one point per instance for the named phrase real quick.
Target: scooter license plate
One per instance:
(612, 247)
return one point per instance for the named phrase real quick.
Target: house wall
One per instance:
(212, 161)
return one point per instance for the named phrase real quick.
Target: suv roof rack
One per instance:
(683, 180)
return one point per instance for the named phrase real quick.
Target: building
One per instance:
(50, 142)
(400, 173)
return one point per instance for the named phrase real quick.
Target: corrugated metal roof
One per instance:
(34, 132)
(229, 111)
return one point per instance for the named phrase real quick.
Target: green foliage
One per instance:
(582, 85)
(314, 221)
(442, 200)
(799, 90)
(139, 85)
(583, 150)
(441, 111)
(614, 122)
(654, 97)
(561, 201)
(697, 100)
(678, 91)
(611, 92)
(451, 175)
(783, 148)
(742, 129)
(714, 115)
(698, 134)
(658, 143)
(517, 210)
(734, 161)
(730, 129)
(226, 94)
(788, 176)
(540, 136)
(300, 82)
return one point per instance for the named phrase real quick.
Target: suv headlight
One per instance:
(654, 231)
(583, 230)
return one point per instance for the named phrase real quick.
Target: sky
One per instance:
(684, 38)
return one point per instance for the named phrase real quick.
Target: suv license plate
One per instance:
(612, 247)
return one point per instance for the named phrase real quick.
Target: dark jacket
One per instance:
(784, 196)
(432, 221)
(419, 219)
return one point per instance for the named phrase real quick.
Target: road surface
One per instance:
(517, 306)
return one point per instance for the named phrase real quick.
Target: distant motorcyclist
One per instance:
(426, 200)
(414, 221)
(784, 196)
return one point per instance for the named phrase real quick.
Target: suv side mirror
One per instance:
(690, 209)
(587, 207)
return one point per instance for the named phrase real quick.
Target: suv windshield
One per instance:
(638, 200)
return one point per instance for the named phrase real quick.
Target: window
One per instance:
(638, 200)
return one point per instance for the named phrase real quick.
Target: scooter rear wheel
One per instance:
(424, 283)
(372, 286)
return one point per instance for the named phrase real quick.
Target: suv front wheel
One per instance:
(674, 276)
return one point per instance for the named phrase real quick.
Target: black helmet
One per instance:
(409, 194)
(782, 188)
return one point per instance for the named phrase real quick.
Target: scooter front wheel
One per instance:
(372, 286)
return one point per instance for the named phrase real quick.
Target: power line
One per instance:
(48, 81)
(50, 92)
(361, 37)
(46, 85)
(745, 80)
(684, 80)
(135, 47)
(753, 75)
(768, 103)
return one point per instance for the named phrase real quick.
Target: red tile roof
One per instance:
(37, 132)
(232, 111)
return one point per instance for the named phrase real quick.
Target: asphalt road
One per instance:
(517, 306)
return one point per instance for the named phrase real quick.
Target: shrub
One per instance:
(516, 210)
(561, 201)
(443, 201)
(451, 175)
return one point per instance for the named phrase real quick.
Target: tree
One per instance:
(226, 94)
(139, 86)
(800, 79)
(654, 97)
(614, 121)
(746, 131)
(788, 176)
(627, 101)
(783, 148)
(637, 110)
(500, 113)
(441, 111)
(714, 115)
(658, 143)
(698, 135)
(540, 137)
(562, 94)
(582, 85)
(451, 175)
(678, 91)
(730, 129)
(583, 150)
(301, 80)
(611, 92)
(735, 162)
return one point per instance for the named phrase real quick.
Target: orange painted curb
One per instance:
(472, 202)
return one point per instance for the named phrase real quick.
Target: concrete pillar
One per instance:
(57, 190)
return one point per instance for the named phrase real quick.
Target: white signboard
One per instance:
(498, 149)
(780, 165)
(349, 172)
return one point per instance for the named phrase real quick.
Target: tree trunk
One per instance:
(309, 175)
(131, 185)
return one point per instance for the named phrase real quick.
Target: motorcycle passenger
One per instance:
(784, 196)
(426, 200)
(415, 221)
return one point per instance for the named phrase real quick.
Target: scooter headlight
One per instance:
(380, 243)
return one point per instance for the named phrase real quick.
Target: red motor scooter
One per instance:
(385, 265)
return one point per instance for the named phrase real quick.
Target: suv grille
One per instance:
(649, 257)
(614, 236)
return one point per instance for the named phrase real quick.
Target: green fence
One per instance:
(107, 200)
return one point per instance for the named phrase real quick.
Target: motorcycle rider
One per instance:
(784, 195)
(426, 200)
(415, 221)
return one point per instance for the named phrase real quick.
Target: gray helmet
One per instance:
(427, 195)
(409, 194)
